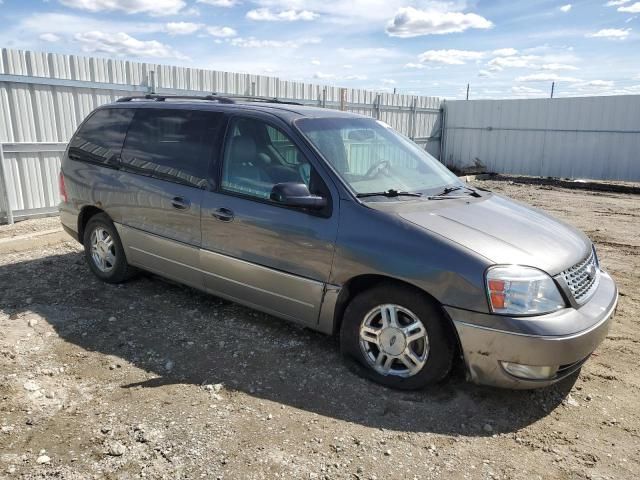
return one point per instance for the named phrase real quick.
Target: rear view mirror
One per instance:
(361, 135)
(296, 195)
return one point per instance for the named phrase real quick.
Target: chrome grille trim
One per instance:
(580, 284)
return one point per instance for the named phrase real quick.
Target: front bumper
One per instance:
(564, 339)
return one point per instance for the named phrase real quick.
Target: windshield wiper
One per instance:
(391, 193)
(448, 190)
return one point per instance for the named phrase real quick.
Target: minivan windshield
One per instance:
(372, 157)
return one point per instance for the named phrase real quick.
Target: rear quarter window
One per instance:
(99, 140)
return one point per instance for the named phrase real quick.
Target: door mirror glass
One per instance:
(295, 194)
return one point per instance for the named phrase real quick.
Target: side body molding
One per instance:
(277, 293)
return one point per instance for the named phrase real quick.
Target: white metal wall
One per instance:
(591, 137)
(44, 96)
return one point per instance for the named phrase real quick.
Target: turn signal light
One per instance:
(497, 294)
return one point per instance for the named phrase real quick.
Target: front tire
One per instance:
(104, 252)
(398, 337)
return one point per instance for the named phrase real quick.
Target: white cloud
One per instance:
(634, 8)
(565, 8)
(485, 74)
(522, 90)
(252, 42)
(219, 3)
(221, 32)
(356, 77)
(521, 61)
(267, 15)
(612, 33)
(412, 22)
(324, 76)
(450, 57)
(388, 81)
(152, 7)
(546, 77)
(182, 28)
(419, 66)
(124, 45)
(315, 61)
(505, 52)
(557, 66)
(598, 83)
(615, 3)
(64, 24)
(49, 37)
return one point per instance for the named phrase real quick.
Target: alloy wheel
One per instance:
(103, 251)
(394, 341)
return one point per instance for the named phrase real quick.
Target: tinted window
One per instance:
(173, 145)
(100, 138)
(257, 156)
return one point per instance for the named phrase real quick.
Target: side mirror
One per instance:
(296, 195)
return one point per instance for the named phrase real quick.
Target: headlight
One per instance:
(516, 290)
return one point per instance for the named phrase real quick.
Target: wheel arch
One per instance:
(83, 218)
(361, 283)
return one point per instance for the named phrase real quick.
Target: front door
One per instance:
(165, 165)
(255, 251)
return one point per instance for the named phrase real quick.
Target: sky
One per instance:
(502, 49)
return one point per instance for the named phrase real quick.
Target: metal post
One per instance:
(324, 97)
(443, 132)
(376, 106)
(467, 91)
(414, 113)
(151, 82)
(5, 187)
(343, 99)
(253, 89)
(553, 86)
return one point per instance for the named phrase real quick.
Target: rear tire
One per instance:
(104, 252)
(398, 337)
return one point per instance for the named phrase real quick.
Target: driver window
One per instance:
(258, 156)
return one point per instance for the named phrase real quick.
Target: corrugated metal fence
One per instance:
(44, 96)
(590, 137)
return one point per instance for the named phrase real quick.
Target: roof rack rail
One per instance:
(161, 98)
(214, 97)
(253, 98)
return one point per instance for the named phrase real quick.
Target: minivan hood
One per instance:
(502, 230)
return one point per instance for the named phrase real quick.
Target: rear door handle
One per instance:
(180, 203)
(223, 214)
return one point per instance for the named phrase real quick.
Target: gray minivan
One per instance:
(337, 222)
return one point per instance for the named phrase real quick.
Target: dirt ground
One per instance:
(156, 380)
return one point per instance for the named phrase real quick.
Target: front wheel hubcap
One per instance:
(394, 341)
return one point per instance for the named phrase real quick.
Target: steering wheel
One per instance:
(377, 167)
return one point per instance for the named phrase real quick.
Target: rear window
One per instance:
(99, 139)
(173, 145)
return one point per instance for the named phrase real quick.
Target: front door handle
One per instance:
(223, 214)
(180, 203)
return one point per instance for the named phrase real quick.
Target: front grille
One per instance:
(582, 279)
